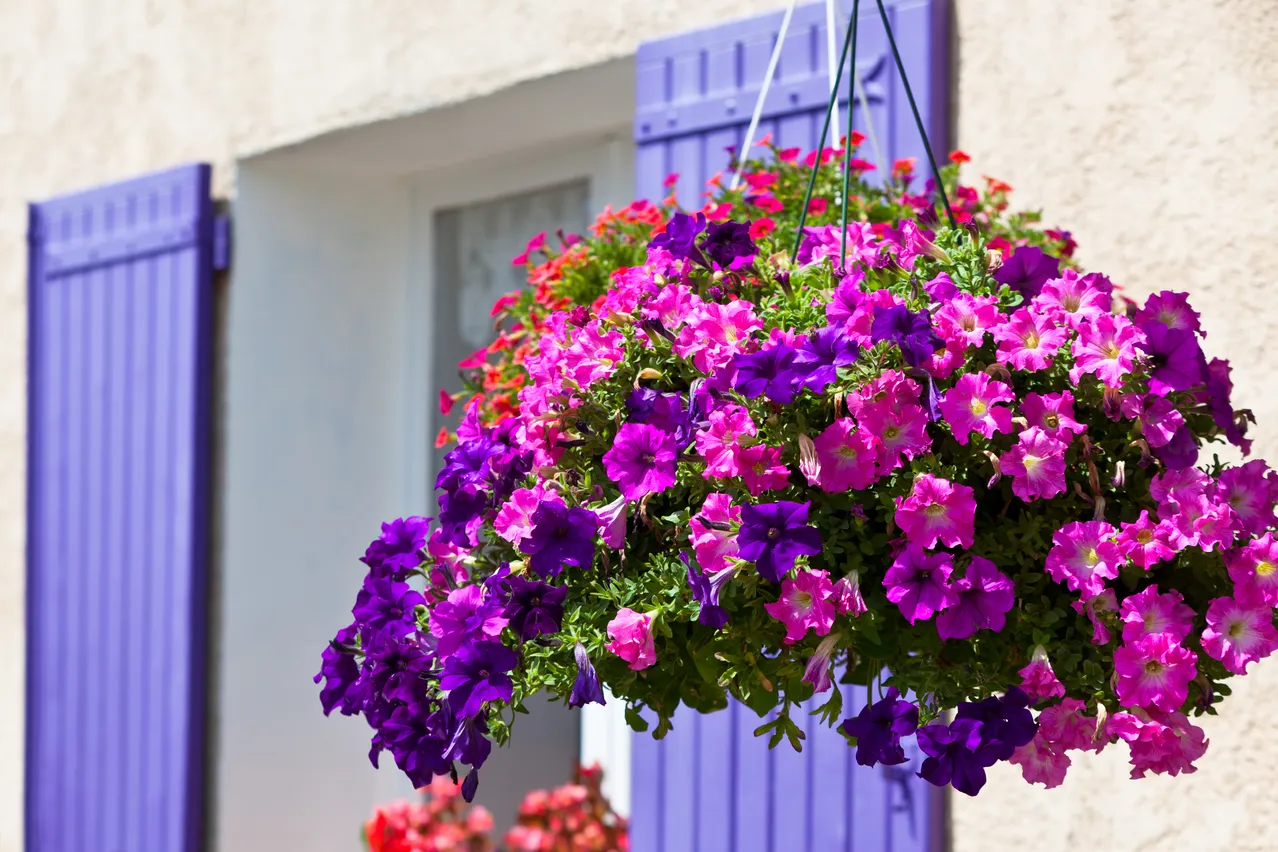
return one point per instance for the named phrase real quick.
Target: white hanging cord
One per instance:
(763, 95)
(832, 64)
(859, 91)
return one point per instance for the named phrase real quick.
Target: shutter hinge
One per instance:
(221, 243)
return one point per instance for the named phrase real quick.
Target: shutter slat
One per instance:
(695, 94)
(120, 360)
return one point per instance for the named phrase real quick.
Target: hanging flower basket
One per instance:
(942, 464)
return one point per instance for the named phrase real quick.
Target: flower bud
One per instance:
(809, 465)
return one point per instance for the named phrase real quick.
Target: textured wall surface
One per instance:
(1149, 129)
(1144, 126)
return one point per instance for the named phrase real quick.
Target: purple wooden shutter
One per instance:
(119, 413)
(710, 785)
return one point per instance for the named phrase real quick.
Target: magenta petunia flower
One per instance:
(937, 510)
(1036, 465)
(514, 519)
(971, 406)
(1147, 612)
(1067, 726)
(1072, 299)
(967, 318)
(720, 445)
(1095, 608)
(1254, 570)
(1083, 557)
(899, 428)
(918, 583)
(712, 542)
(762, 470)
(641, 461)
(594, 354)
(1145, 542)
(1106, 347)
(846, 457)
(1039, 680)
(1154, 671)
(612, 523)
(1250, 490)
(1172, 310)
(1028, 341)
(1053, 413)
(1159, 419)
(1162, 743)
(1174, 359)
(804, 605)
(984, 596)
(847, 595)
(1239, 632)
(631, 635)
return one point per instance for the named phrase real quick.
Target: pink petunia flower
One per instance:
(1162, 743)
(1145, 542)
(937, 510)
(1250, 490)
(983, 597)
(970, 406)
(804, 605)
(672, 306)
(1053, 413)
(1239, 632)
(632, 640)
(1083, 557)
(1202, 523)
(594, 354)
(762, 470)
(514, 519)
(1254, 570)
(1036, 465)
(1028, 341)
(1066, 726)
(1172, 310)
(918, 583)
(1095, 608)
(967, 318)
(612, 523)
(1154, 671)
(847, 595)
(1040, 763)
(1107, 347)
(1147, 613)
(1173, 487)
(847, 457)
(1072, 299)
(899, 429)
(714, 547)
(721, 444)
(1038, 679)
(717, 332)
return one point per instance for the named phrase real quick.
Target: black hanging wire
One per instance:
(918, 120)
(825, 130)
(847, 142)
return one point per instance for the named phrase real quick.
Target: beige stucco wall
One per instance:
(1144, 126)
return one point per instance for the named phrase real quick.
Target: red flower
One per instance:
(817, 206)
(959, 157)
(855, 139)
(503, 303)
(474, 360)
(788, 155)
(445, 403)
(903, 167)
(761, 228)
(671, 180)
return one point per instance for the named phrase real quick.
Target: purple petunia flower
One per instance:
(417, 737)
(534, 608)
(469, 744)
(386, 604)
(1006, 724)
(911, 332)
(398, 549)
(822, 354)
(771, 372)
(1180, 452)
(395, 670)
(641, 461)
(918, 583)
(1175, 359)
(728, 245)
(705, 591)
(339, 671)
(560, 536)
(952, 757)
(478, 673)
(664, 411)
(773, 535)
(586, 688)
(1027, 270)
(878, 729)
(984, 597)
(680, 237)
